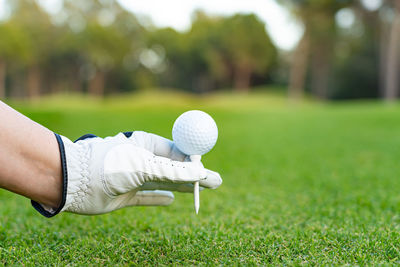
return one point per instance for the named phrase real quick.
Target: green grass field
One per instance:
(303, 184)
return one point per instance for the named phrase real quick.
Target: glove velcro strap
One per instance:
(48, 212)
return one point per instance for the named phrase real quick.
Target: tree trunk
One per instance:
(320, 69)
(33, 82)
(242, 78)
(298, 68)
(203, 83)
(383, 48)
(2, 79)
(96, 85)
(76, 83)
(17, 85)
(392, 59)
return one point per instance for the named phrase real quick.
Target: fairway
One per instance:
(303, 184)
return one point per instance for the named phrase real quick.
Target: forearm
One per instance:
(29, 158)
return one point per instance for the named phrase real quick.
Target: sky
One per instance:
(283, 29)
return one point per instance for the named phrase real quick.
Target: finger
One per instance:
(212, 181)
(183, 188)
(158, 145)
(152, 198)
(166, 170)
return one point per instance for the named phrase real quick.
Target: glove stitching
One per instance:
(78, 196)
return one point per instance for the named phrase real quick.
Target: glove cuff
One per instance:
(47, 211)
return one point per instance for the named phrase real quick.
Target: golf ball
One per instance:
(195, 132)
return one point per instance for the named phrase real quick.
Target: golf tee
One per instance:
(196, 189)
(196, 194)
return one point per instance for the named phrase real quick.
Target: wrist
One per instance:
(56, 204)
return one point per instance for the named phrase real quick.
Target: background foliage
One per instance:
(99, 48)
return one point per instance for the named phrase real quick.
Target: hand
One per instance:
(129, 169)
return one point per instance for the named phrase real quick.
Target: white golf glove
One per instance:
(129, 169)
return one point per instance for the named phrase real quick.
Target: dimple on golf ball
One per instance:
(195, 132)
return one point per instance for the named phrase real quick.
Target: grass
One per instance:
(303, 184)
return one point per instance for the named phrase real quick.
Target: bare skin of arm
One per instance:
(30, 162)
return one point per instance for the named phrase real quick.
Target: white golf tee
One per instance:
(196, 188)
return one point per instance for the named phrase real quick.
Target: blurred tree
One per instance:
(191, 58)
(38, 29)
(357, 53)
(177, 71)
(393, 57)
(205, 52)
(374, 37)
(96, 45)
(318, 17)
(299, 66)
(106, 34)
(104, 48)
(217, 52)
(356, 68)
(63, 64)
(13, 50)
(125, 74)
(248, 48)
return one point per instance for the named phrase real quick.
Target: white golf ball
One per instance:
(195, 132)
